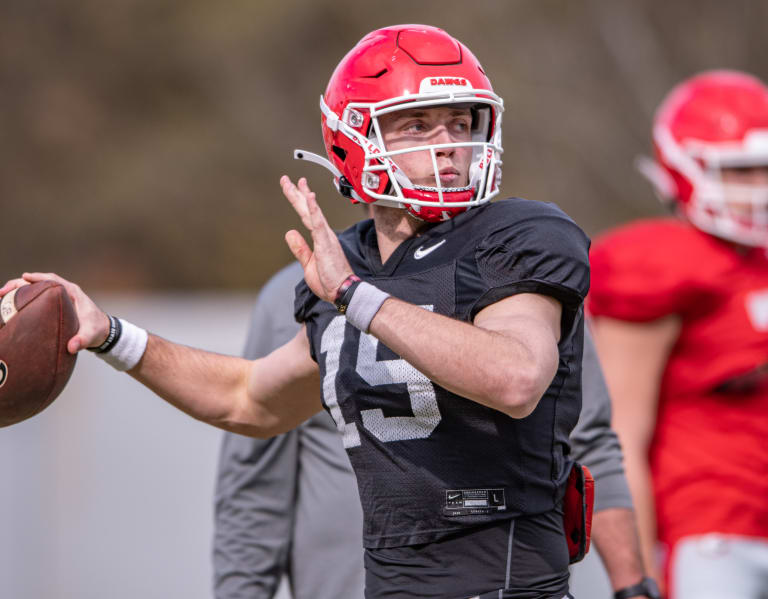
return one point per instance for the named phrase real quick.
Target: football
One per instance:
(36, 321)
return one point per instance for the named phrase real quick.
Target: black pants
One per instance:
(525, 558)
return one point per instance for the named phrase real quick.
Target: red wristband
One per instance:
(342, 301)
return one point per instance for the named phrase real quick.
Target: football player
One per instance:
(681, 321)
(282, 501)
(445, 333)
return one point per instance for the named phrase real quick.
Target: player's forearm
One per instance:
(259, 398)
(641, 486)
(209, 387)
(614, 534)
(497, 370)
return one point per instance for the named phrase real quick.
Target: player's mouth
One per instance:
(449, 177)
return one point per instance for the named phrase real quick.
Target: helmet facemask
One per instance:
(385, 183)
(733, 211)
(736, 211)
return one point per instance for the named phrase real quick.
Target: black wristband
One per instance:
(345, 293)
(115, 330)
(645, 588)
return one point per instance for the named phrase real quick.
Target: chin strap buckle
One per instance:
(345, 188)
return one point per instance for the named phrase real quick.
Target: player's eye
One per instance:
(414, 128)
(461, 126)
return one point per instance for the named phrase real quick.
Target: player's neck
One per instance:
(393, 226)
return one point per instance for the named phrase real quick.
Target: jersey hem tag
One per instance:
(474, 502)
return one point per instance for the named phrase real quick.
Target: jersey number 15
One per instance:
(421, 391)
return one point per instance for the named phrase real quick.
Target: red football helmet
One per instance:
(399, 68)
(713, 121)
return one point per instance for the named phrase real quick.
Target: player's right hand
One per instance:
(325, 265)
(94, 323)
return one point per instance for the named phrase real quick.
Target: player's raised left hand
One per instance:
(94, 323)
(325, 265)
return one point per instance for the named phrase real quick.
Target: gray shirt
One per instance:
(282, 502)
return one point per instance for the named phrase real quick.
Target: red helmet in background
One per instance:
(399, 68)
(713, 121)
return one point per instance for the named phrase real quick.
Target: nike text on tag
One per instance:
(421, 252)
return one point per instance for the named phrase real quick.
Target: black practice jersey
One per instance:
(429, 462)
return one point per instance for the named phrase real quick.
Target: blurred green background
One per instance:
(141, 141)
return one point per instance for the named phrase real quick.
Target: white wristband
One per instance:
(365, 302)
(129, 349)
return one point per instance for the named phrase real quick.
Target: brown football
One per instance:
(36, 321)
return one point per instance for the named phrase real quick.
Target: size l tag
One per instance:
(473, 502)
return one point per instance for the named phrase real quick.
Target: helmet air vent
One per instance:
(377, 75)
(340, 152)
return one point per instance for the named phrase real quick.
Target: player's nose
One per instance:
(443, 136)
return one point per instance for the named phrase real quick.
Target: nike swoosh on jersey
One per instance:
(421, 252)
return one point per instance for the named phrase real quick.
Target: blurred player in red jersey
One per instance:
(680, 311)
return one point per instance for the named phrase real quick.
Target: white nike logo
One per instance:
(452, 496)
(421, 252)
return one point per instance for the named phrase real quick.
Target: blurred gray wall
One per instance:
(108, 493)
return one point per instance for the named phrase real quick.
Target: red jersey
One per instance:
(709, 457)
